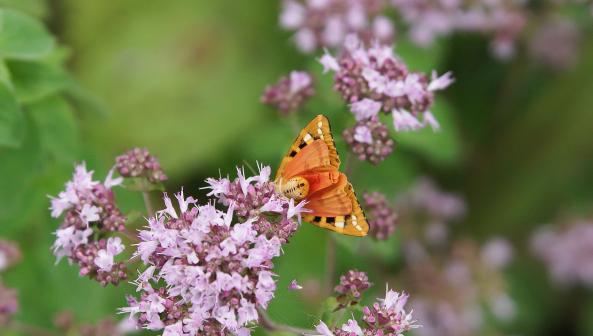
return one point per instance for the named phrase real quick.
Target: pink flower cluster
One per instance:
(567, 251)
(254, 197)
(429, 19)
(369, 139)
(209, 271)
(10, 254)
(290, 92)
(431, 211)
(90, 215)
(374, 79)
(326, 23)
(386, 317)
(9, 304)
(138, 162)
(66, 324)
(565, 37)
(381, 215)
(453, 296)
(351, 286)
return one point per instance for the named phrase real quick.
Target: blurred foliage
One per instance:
(183, 79)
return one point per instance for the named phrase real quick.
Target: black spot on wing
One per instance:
(293, 154)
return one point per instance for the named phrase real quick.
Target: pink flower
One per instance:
(89, 208)
(405, 121)
(497, 252)
(352, 327)
(210, 269)
(290, 92)
(104, 259)
(327, 23)
(293, 15)
(139, 163)
(440, 83)
(323, 329)
(365, 109)
(385, 317)
(374, 79)
(370, 140)
(89, 213)
(363, 134)
(293, 286)
(329, 62)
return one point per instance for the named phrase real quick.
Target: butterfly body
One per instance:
(310, 172)
(296, 187)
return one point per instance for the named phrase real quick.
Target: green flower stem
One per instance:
(267, 324)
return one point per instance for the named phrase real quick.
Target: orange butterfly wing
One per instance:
(336, 208)
(318, 128)
(332, 200)
(314, 156)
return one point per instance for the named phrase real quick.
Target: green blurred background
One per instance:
(183, 78)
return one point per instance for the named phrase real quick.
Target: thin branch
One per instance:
(330, 264)
(148, 203)
(294, 123)
(266, 323)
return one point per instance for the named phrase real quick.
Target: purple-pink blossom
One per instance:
(352, 284)
(290, 92)
(369, 140)
(380, 214)
(375, 79)
(90, 214)
(387, 317)
(566, 251)
(138, 162)
(209, 267)
(427, 20)
(326, 23)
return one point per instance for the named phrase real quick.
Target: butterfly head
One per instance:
(296, 187)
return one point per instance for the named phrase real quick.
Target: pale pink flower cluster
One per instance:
(10, 254)
(556, 43)
(66, 324)
(326, 23)
(290, 92)
(90, 208)
(567, 252)
(431, 211)
(374, 79)
(256, 195)
(208, 270)
(429, 19)
(473, 280)
(385, 317)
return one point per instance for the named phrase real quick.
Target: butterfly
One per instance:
(310, 172)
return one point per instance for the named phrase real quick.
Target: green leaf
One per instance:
(36, 8)
(5, 77)
(21, 168)
(328, 308)
(84, 100)
(36, 80)
(23, 37)
(12, 123)
(441, 147)
(56, 127)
